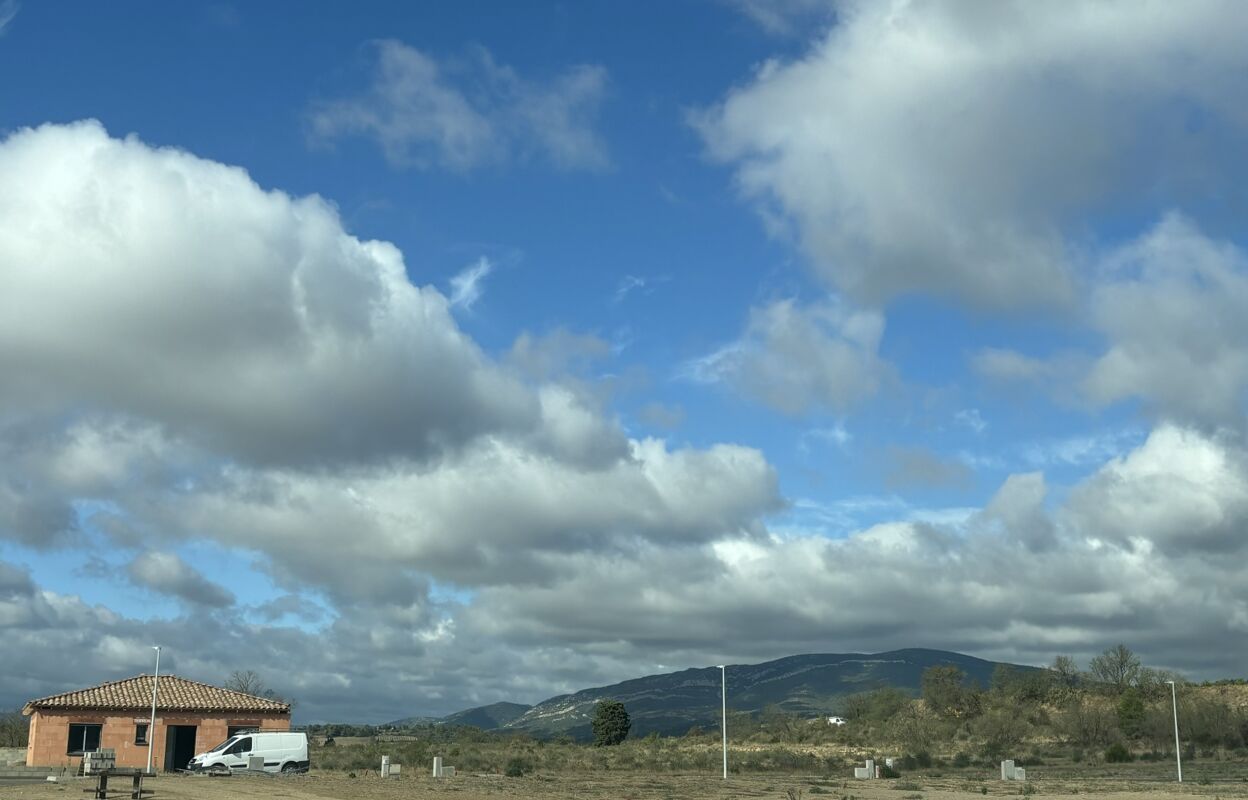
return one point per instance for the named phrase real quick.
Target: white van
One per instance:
(282, 752)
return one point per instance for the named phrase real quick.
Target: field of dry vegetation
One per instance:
(639, 785)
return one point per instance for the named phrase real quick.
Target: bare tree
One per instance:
(13, 729)
(250, 682)
(1066, 671)
(247, 682)
(1117, 667)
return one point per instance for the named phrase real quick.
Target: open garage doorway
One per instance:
(179, 746)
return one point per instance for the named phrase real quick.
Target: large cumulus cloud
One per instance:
(959, 149)
(196, 359)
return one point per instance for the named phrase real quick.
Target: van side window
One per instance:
(241, 746)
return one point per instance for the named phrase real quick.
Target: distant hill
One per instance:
(810, 685)
(412, 722)
(496, 715)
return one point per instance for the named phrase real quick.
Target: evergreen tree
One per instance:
(611, 723)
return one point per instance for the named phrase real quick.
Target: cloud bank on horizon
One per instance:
(283, 438)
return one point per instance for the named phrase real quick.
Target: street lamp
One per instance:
(151, 729)
(1174, 700)
(723, 673)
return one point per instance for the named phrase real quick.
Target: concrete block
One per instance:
(385, 766)
(255, 763)
(1007, 770)
(437, 766)
(448, 772)
(396, 770)
(1020, 774)
(862, 773)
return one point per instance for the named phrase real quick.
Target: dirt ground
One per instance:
(631, 786)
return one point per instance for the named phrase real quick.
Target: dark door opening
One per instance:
(179, 746)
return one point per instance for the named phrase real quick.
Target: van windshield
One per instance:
(225, 744)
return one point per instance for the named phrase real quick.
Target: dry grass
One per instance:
(1226, 782)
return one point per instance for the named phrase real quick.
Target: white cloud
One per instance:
(1181, 492)
(467, 113)
(8, 11)
(658, 415)
(1172, 307)
(798, 358)
(964, 583)
(910, 467)
(556, 353)
(837, 435)
(971, 418)
(466, 285)
(944, 148)
(785, 17)
(197, 360)
(288, 393)
(168, 574)
(628, 284)
(1169, 306)
(237, 319)
(226, 392)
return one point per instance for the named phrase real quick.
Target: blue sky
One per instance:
(415, 339)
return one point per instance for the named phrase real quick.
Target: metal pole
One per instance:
(723, 672)
(1174, 701)
(151, 729)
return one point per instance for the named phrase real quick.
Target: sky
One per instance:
(419, 356)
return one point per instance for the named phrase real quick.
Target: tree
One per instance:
(1117, 668)
(1087, 723)
(13, 729)
(611, 723)
(886, 702)
(1131, 714)
(1002, 731)
(944, 693)
(1066, 671)
(250, 682)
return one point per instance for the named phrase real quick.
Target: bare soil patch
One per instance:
(640, 786)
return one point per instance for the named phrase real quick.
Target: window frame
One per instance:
(141, 732)
(73, 748)
(237, 748)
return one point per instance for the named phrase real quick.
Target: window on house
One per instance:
(83, 737)
(234, 730)
(140, 733)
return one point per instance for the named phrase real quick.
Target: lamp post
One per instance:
(1174, 701)
(723, 674)
(151, 729)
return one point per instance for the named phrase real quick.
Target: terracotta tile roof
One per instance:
(174, 694)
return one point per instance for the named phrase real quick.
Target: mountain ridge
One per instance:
(810, 684)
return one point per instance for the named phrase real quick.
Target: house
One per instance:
(191, 717)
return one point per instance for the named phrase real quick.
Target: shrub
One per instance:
(517, 766)
(961, 760)
(1117, 753)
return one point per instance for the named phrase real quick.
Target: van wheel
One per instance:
(290, 767)
(219, 768)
